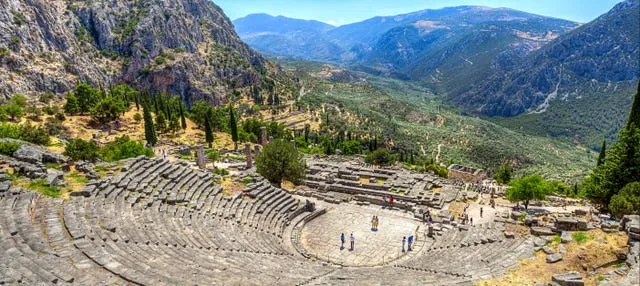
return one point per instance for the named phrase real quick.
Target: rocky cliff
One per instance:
(184, 47)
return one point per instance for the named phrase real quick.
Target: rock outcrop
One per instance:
(183, 47)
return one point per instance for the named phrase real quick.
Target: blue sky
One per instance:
(340, 12)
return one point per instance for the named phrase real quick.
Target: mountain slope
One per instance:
(184, 47)
(579, 86)
(290, 37)
(586, 60)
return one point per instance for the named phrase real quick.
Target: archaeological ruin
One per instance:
(155, 222)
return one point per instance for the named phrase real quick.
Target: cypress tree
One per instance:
(634, 116)
(207, 129)
(233, 126)
(602, 155)
(149, 130)
(307, 128)
(183, 121)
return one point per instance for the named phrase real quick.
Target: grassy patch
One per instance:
(556, 239)
(522, 216)
(580, 237)
(77, 177)
(220, 171)
(41, 187)
(53, 166)
(247, 181)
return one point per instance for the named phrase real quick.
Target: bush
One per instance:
(123, 148)
(60, 116)
(46, 97)
(9, 131)
(380, 156)
(503, 175)
(54, 127)
(280, 161)
(78, 149)
(627, 201)
(220, 171)
(137, 117)
(7, 148)
(36, 135)
(50, 109)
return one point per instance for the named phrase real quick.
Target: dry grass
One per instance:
(597, 251)
(229, 187)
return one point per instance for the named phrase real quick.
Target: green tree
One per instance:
(78, 149)
(504, 173)
(87, 96)
(526, 189)
(107, 110)
(634, 115)
(13, 110)
(183, 121)
(72, 106)
(350, 147)
(380, 156)
(213, 155)
(233, 126)
(627, 201)
(137, 117)
(149, 129)
(122, 148)
(602, 155)
(208, 133)
(161, 121)
(307, 130)
(278, 161)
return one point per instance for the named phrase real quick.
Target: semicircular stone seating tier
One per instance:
(162, 223)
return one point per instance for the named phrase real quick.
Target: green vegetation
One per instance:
(122, 148)
(247, 181)
(220, 171)
(208, 132)
(627, 201)
(504, 173)
(423, 127)
(278, 161)
(580, 237)
(149, 129)
(380, 156)
(603, 152)
(233, 126)
(620, 168)
(78, 149)
(41, 187)
(213, 155)
(7, 148)
(137, 117)
(525, 189)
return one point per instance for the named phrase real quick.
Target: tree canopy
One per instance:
(526, 189)
(279, 160)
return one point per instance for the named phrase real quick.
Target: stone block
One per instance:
(572, 278)
(553, 258)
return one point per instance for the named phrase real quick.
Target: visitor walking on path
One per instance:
(353, 241)
(409, 242)
(342, 240)
(390, 201)
(404, 239)
(471, 220)
(373, 222)
(480, 212)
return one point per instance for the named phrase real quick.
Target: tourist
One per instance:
(353, 241)
(373, 222)
(430, 219)
(404, 239)
(409, 242)
(480, 212)
(342, 240)
(390, 201)
(471, 221)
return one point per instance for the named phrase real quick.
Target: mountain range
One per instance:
(494, 62)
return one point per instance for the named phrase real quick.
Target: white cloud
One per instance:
(332, 22)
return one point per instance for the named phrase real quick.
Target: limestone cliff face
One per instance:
(184, 47)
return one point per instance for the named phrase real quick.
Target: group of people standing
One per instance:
(409, 242)
(374, 223)
(351, 238)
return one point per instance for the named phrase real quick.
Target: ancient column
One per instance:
(247, 154)
(200, 158)
(263, 135)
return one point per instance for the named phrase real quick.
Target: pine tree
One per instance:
(161, 121)
(602, 155)
(307, 128)
(634, 116)
(149, 130)
(208, 133)
(183, 121)
(233, 126)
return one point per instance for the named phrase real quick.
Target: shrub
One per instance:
(627, 201)
(280, 161)
(9, 131)
(60, 116)
(7, 148)
(137, 117)
(220, 171)
(78, 149)
(123, 148)
(46, 97)
(54, 127)
(380, 156)
(34, 134)
(50, 109)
